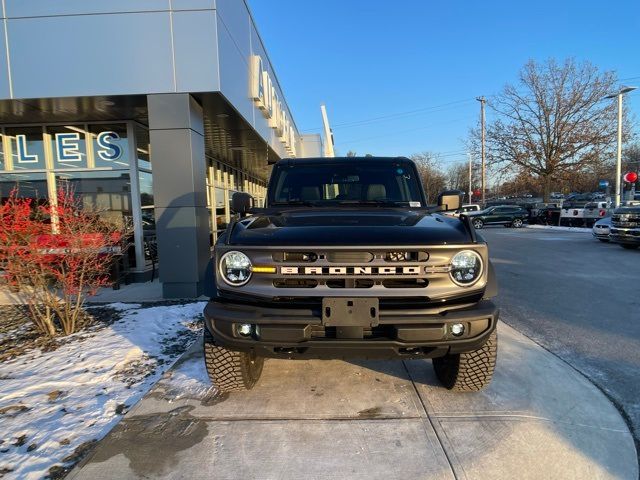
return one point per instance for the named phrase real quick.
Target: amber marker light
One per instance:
(257, 269)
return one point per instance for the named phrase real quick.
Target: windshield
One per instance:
(364, 183)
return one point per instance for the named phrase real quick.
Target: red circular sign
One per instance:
(631, 177)
(477, 192)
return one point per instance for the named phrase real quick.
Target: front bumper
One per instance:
(629, 236)
(300, 333)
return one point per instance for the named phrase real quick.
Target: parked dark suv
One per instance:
(347, 261)
(507, 215)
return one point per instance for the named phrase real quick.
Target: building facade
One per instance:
(156, 111)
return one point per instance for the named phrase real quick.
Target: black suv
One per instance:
(625, 226)
(347, 260)
(507, 215)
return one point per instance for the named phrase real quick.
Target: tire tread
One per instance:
(228, 370)
(470, 371)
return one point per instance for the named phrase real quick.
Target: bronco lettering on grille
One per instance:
(350, 270)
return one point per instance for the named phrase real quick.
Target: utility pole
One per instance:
(328, 134)
(482, 101)
(470, 185)
(619, 95)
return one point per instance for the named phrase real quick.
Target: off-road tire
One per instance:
(471, 371)
(629, 246)
(228, 370)
(517, 223)
(477, 224)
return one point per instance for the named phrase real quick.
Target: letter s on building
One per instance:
(108, 150)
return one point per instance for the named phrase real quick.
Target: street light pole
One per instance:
(619, 95)
(619, 154)
(482, 101)
(470, 187)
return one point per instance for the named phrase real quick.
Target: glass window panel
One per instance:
(2, 162)
(221, 214)
(105, 190)
(29, 185)
(27, 147)
(110, 146)
(146, 201)
(68, 146)
(143, 147)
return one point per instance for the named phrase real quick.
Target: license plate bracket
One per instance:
(350, 312)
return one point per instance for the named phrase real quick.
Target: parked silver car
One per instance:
(601, 229)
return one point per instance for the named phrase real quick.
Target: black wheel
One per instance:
(604, 240)
(478, 224)
(517, 223)
(471, 371)
(629, 246)
(228, 370)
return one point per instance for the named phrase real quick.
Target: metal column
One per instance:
(176, 132)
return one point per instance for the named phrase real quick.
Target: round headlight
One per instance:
(466, 268)
(235, 268)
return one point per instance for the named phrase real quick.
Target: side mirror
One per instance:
(450, 200)
(241, 203)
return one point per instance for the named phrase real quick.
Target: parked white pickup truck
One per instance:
(583, 212)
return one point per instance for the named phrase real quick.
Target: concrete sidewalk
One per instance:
(372, 420)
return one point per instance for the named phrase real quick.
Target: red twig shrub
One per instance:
(56, 254)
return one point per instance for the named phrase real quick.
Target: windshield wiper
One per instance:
(378, 203)
(304, 203)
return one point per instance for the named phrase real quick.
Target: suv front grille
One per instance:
(351, 283)
(626, 220)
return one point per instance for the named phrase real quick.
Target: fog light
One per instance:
(245, 329)
(457, 329)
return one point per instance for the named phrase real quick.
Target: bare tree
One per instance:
(458, 177)
(631, 158)
(432, 177)
(554, 122)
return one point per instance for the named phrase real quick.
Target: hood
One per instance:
(349, 227)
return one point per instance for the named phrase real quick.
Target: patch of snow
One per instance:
(561, 229)
(53, 402)
(189, 379)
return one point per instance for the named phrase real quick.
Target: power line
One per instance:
(350, 142)
(392, 115)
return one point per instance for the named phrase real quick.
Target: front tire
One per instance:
(470, 371)
(228, 370)
(604, 240)
(517, 223)
(478, 224)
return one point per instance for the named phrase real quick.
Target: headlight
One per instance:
(235, 268)
(466, 268)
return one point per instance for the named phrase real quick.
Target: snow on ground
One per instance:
(562, 229)
(55, 405)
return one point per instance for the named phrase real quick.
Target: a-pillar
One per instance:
(176, 131)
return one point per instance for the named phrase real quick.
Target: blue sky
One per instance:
(370, 59)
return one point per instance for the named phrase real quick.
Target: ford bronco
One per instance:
(347, 260)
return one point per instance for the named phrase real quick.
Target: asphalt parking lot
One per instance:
(578, 297)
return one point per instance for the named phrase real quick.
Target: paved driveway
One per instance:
(372, 420)
(578, 297)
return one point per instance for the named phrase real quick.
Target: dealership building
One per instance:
(155, 110)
